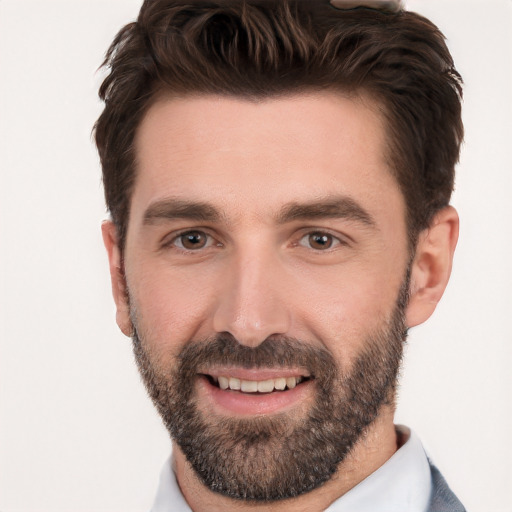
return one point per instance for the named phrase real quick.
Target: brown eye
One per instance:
(319, 241)
(192, 240)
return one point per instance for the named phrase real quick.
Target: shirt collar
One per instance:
(401, 484)
(169, 497)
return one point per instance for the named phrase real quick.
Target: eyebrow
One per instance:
(169, 209)
(333, 207)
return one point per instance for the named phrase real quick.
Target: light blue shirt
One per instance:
(401, 484)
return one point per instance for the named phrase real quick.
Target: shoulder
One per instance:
(442, 498)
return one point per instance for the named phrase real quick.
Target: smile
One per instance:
(256, 386)
(253, 392)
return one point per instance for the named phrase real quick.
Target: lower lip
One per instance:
(237, 403)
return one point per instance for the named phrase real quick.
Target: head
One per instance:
(278, 175)
(253, 51)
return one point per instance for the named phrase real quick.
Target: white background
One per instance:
(76, 430)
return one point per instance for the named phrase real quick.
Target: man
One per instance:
(279, 176)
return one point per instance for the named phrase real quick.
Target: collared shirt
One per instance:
(401, 484)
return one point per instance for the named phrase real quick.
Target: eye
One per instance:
(319, 241)
(192, 240)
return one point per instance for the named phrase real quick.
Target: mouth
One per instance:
(253, 392)
(226, 382)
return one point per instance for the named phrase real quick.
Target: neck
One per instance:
(369, 453)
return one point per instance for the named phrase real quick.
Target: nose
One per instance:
(251, 302)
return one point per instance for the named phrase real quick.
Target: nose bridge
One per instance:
(251, 304)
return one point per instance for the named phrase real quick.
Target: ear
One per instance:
(119, 289)
(432, 265)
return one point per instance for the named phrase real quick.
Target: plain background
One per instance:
(77, 432)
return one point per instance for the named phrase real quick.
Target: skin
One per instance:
(258, 275)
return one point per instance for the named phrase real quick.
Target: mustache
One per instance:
(277, 351)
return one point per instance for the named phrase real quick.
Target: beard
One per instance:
(279, 456)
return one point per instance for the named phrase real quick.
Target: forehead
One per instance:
(257, 155)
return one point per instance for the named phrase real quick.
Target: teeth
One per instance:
(249, 386)
(234, 383)
(266, 386)
(261, 386)
(280, 383)
(291, 382)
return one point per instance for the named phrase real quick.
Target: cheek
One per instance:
(172, 308)
(344, 310)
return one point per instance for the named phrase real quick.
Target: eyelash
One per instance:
(335, 241)
(210, 241)
(177, 241)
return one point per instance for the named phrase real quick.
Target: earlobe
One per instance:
(432, 265)
(117, 277)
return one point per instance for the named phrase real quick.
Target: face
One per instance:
(266, 267)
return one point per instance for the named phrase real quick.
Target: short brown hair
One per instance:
(257, 49)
